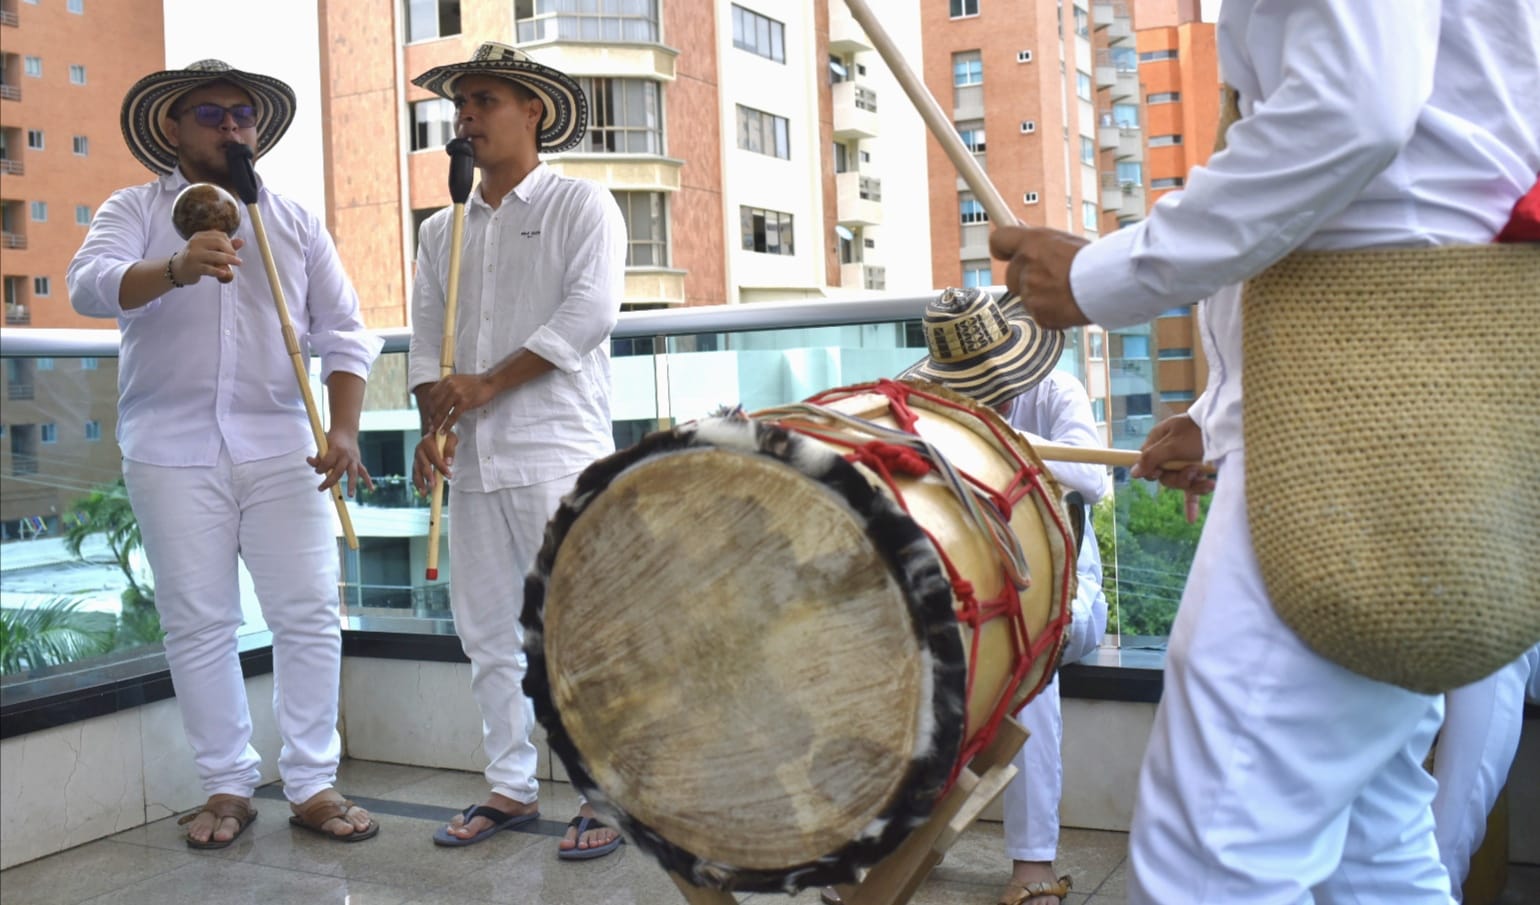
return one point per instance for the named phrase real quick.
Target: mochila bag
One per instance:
(1393, 455)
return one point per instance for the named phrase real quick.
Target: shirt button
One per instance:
(227, 332)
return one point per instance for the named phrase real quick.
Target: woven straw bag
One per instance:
(1393, 456)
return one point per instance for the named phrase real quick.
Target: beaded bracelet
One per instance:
(171, 273)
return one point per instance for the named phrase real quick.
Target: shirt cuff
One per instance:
(549, 345)
(1106, 287)
(111, 287)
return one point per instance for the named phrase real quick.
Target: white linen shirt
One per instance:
(1364, 123)
(205, 365)
(1059, 411)
(544, 271)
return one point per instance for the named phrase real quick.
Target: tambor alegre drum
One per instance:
(764, 645)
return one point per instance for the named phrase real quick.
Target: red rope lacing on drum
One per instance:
(885, 459)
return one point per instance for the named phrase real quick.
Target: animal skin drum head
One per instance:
(743, 666)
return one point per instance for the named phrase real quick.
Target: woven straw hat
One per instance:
(566, 107)
(147, 105)
(986, 350)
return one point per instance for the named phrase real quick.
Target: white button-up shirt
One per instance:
(1364, 123)
(205, 365)
(1059, 411)
(544, 271)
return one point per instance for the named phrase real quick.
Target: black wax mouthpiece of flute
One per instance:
(462, 167)
(242, 177)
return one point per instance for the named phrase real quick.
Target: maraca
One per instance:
(204, 206)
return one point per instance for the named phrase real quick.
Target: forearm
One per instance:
(516, 370)
(143, 283)
(424, 407)
(345, 393)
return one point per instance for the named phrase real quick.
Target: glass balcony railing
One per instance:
(60, 471)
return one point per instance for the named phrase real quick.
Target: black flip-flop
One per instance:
(583, 825)
(501, 820)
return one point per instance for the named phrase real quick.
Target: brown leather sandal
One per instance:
(1015, 893)
(313, 814)
(223, 807)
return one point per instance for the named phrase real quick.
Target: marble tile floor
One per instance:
(274, 865)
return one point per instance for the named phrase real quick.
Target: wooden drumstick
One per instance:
(1097, 455)
(936, 120)
(462, 167)
(244, 180)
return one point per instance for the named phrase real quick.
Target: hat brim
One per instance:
(566, 107)
(1004, 372)
(147, 104)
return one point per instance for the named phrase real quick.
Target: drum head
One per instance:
(730, 662)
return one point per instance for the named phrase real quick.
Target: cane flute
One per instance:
(462, 167)
(244, 180)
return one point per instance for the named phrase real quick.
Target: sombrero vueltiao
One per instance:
(565, 117)
(986, 350)
(147, 104)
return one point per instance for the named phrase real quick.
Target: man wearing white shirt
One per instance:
(1273, 775)
(541, 279)
(214, 436)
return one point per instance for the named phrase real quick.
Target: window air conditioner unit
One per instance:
(1023, 56)
(1029, 198)
(1028, 126)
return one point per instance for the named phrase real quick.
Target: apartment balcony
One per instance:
(635, 61)
(8, 17)
(845, 34)
(10, 92)
(855, 111)
(857, 275)
(12, 167)
(1132, 201)
(1115, 18)
(17, 241)
(1111, 193)
(17, 315)
(1125, 141)
(621, 172)
(860, 199)
(654, 287)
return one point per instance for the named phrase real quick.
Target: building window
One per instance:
(1161, 141)
(1094, 343)
(33, 66)
(45, 364)
(962, 8)
(764, 133)
(1164, 97)
(40, 211)
(1126, 222)
(77, 74)
(1130, 173)
(1126, 116)
(1174, 182)
(1178, 311)
(1125, 59)
(972, 210)
(82, 215)
(1151, 56)
(78, 7)
(1082, 85)
(42, 287)
(50, 432)
(93, 430)
(35, 139)
(1088, 216)
(82, 145)
(433, 123)
(967, 69)
(759, 34)
(1082, 22)
(845, 242)
(1136, 345)
(597, 21)
(624, 116)
(1176, 396)
(769, 232)
(841, 157)
(976, 274)
(646, 228)
(1099, 410)
(88, 364)
(1176, 353)
(972, 135)
(426, 19)
(1087, 150)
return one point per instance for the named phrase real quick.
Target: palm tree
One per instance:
(52, 633)
(106, 511)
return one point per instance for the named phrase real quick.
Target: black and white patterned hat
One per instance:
(148, 103)
(566, 108)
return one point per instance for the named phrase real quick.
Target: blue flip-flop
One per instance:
(584, 824)
(501, 820)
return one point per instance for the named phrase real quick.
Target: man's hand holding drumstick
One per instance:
(1176, 439)
(1038, 272)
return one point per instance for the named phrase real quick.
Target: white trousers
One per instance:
(493, 541)
(1482, 724)
(1272, 776)
(195, 523)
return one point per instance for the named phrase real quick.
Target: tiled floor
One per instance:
(274, 865)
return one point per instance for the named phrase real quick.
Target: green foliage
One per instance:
(53, 633)
(1147, 548)
(106, 511)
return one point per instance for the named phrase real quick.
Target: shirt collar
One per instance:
(526, 191)
(176, 180)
